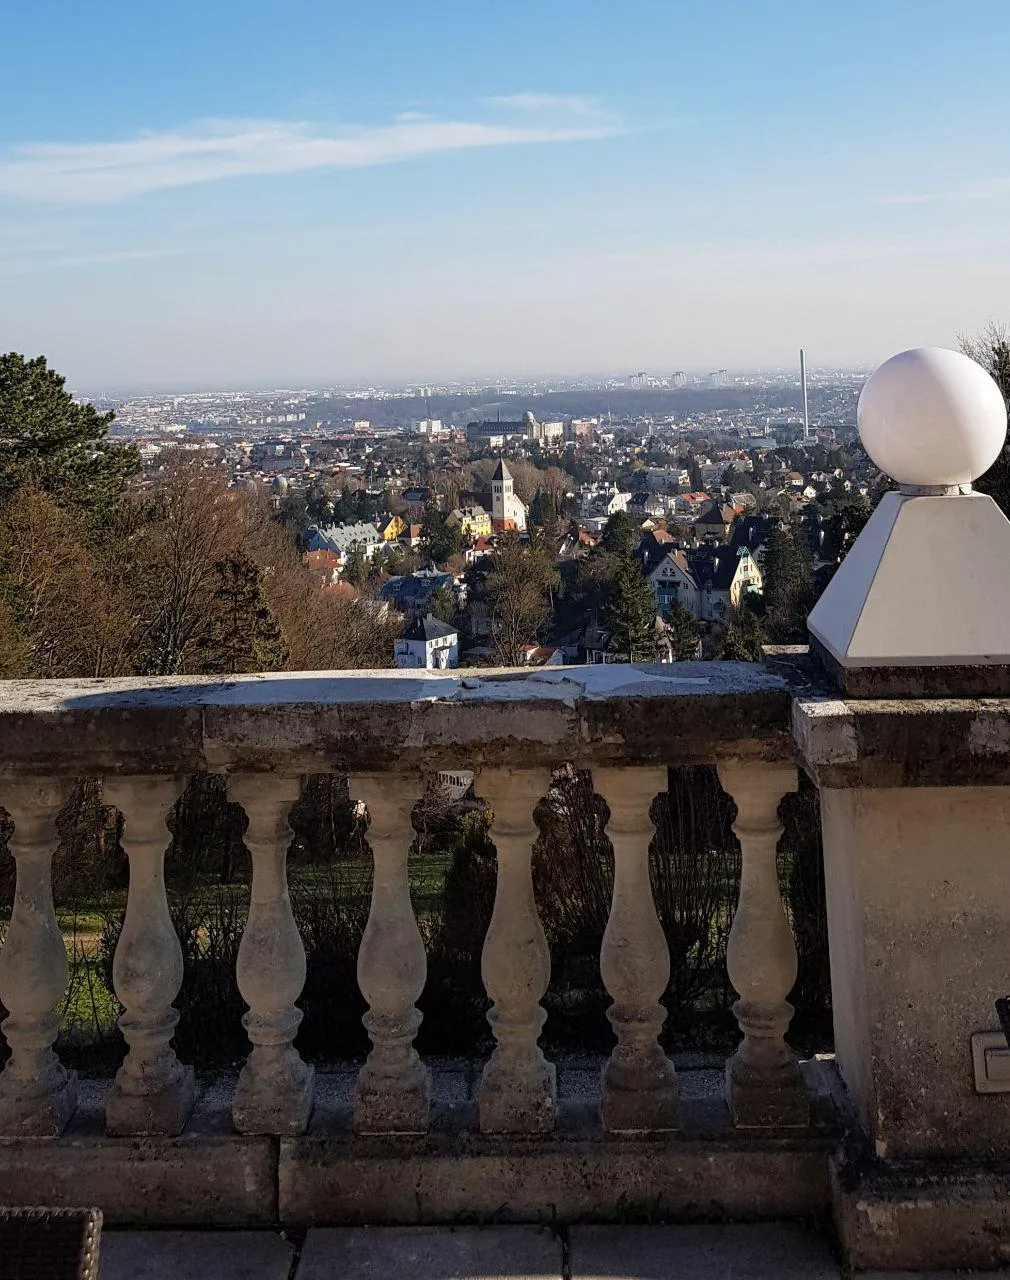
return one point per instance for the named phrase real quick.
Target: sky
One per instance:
(314, 192)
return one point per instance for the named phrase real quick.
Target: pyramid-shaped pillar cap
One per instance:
(918, 606)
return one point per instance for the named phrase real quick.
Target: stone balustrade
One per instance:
(275, 1148)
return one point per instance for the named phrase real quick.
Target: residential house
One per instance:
(715, 520)
(707, 580)
(472, 522)
(411, 592)
(326, 563)
(416, 497)
(344, 538)
(391, 528)
(542, 656)
(427, 643)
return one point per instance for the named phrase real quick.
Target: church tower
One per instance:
(502, 493)
(507, 511)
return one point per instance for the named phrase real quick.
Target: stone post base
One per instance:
(508, 1105)
(280, 1105)
(397, 1109)
(778, 1100)
(164, 1114)
(647, 1110)
(22, 1116)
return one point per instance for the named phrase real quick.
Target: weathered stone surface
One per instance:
(922, 1216)
(324, 1180)
(198, 1180)
(195, 1255)
(275, 1089)
(518, 1088)
(763, 1082)
(918, 915)
(37, 1095)
(431, 1253)
(639, 1084)
(913, 743)
(760, 1251)
(394, 1086)
(153, 1092)
(378, 721)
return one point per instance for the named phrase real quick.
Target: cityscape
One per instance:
(700, 469)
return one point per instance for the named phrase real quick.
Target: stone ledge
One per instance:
(877, 743)
(190, 1181)
(323, 1181)
(387, 721)
(919, 1216)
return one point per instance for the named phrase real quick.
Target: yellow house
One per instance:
(393, 530)
(472, 522)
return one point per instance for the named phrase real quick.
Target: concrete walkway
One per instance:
(766, 1251)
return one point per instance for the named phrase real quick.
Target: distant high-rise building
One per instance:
(678, 379)
(720, 378)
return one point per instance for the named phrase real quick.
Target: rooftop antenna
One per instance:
(803, 380)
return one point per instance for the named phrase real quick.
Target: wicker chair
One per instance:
(49, 1244)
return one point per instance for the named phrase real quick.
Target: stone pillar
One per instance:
(639, 1081)
(275, 1089)
(394, 1086)
(765, 1088)
(37, 1096)
(518, 1090)
(153, 1091)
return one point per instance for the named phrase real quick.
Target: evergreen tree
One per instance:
(442, 604)
(242, 634)
(788, 580)
(439, 540)
(744, 636)
(620, 534)
(356, 569)
(57, 444)
(682, 631)
(630, 612)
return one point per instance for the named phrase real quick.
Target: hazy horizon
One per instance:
(308, 196)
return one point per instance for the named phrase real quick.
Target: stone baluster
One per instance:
(639, 1081)
(765, 1088)
(37, 1096)
(275, 1089)
(518, 1090)
(153, 1091)
(394, 1086)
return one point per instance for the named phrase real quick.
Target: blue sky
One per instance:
(303, 192)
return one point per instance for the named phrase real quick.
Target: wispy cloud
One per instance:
(211, 150)
(45, 262)
(573, 104)
(991, 189)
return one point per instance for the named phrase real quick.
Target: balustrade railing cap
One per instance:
(918, 607)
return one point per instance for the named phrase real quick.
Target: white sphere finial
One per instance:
(931, 417)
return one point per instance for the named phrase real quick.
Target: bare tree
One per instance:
(199, 523)
(518, 584)
(991, 349)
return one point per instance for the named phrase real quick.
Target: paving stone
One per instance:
(195, 1255)
(762, 1251)
(430, 1253)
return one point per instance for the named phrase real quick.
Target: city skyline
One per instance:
(307, 197)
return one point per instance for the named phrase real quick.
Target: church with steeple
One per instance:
(507, 511)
